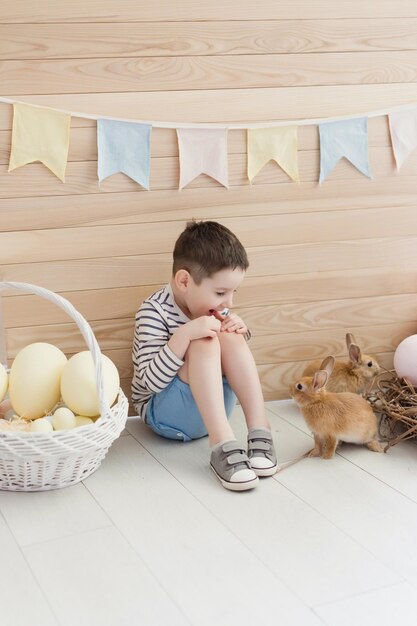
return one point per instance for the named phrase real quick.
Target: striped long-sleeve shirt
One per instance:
(154, 364)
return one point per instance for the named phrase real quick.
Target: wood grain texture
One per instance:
(207, 38)
(66, 76)
(210, 203)
(294, 229)
(26, 11)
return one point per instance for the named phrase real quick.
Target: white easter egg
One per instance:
(82, 420)
(405, 359)
(41, 425)
(78, 384)
(34, 380)
(4, 381)
(63, 419)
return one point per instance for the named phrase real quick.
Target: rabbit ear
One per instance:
(320, 379)
(328, 364)
(350, 339)
(355, 353)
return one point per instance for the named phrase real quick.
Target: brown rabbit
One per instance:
(334, 417)
(353, 375)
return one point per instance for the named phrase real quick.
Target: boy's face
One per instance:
(213, 293)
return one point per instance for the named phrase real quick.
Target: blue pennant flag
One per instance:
(124, 147)
(346, 138)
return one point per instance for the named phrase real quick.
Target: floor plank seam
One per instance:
(360, 594)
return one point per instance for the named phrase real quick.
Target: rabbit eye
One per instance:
(370, 363)
(299, 386)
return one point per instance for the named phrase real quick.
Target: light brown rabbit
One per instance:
(334, 417)
(353, 375)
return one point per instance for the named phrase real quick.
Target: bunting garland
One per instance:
(42, 134)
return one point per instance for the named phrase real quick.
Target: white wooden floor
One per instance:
(152, 538)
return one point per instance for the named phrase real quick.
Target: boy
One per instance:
(191, 357)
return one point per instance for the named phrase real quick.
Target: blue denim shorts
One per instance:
(173, 413)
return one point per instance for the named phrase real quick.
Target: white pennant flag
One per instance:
(202, 151)
(403, 129)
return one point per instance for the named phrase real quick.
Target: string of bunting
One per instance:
(43, 134)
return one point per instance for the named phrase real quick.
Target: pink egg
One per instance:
(405, 359)
(5, 406)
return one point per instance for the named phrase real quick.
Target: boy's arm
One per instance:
(154, 362)
(204, 326)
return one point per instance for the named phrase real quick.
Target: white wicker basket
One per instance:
(42, 461)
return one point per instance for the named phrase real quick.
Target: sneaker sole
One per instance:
(243, 486)
(265, 471)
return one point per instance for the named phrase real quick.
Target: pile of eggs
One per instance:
(41, 379)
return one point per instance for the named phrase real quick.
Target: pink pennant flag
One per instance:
(403, 129)
(202, 151)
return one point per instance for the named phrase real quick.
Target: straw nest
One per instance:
(394, 399)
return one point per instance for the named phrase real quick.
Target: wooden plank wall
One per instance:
(324, 260)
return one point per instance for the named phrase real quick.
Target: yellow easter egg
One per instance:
(35, 378)
(82, 420)
(41, 425)
(4, 381)
(63, 419)
(78, 384)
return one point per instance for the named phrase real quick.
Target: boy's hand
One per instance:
(232, 323)
(204, 326)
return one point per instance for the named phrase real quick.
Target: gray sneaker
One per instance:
(261, 452)
(231, 465)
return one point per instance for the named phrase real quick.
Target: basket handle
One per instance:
(82, 324)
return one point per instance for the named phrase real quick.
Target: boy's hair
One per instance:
(205, 248)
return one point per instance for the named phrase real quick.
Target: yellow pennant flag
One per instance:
(279, 144)
(40, 135)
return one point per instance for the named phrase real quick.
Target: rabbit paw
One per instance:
(374, 445)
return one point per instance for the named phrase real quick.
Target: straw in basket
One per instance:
(42, 461)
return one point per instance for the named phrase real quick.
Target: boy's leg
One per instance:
(240, 369)
(203, 372)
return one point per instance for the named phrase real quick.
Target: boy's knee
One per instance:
(210, 345)
(230, 341)
(200, 350)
